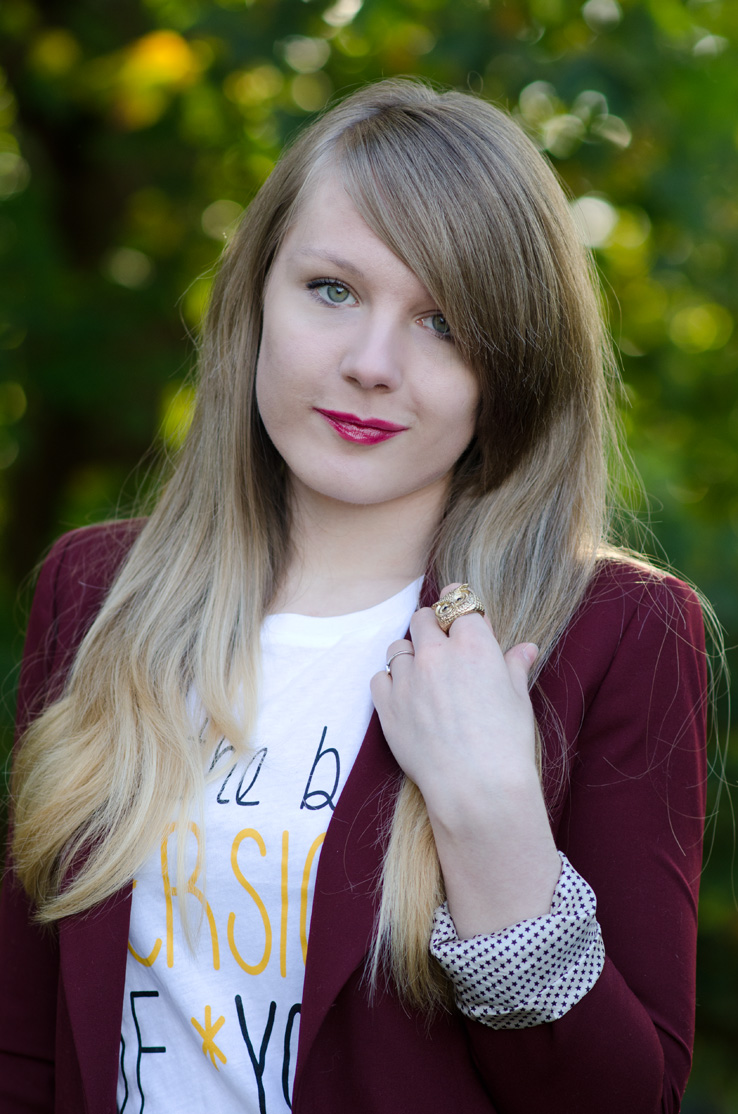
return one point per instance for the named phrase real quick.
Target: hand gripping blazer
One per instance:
(627, 685)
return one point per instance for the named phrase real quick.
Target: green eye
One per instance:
(332, 292)
(335, 292)
(437, 324)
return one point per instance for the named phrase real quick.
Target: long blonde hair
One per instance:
(462, 197)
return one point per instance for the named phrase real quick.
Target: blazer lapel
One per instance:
(347, 882)
(92, 951)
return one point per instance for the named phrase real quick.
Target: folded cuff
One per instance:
(533, 972)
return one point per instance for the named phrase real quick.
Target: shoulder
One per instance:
(631, 665)
(79, 570)
(72, 584)
(628, 602)
(638, 585)
(91, 551)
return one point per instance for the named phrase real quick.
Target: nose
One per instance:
(373, 356)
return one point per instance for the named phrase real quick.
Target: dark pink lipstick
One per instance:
(362, 431)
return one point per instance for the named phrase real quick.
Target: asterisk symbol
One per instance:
(209, 1046)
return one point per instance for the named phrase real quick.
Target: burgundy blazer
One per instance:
(627, 687)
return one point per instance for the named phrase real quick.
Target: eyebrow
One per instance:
(337, 260)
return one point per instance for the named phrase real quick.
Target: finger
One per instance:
(401, 647)
(519, 660)
(400, 651)
(397, 645)
(425, 628)
(464, 621)
(380, 687)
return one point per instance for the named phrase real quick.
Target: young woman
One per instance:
(242, 721)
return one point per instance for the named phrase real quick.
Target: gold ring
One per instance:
(396, 655)
(460, 601)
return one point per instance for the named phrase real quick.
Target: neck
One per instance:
(347, 557)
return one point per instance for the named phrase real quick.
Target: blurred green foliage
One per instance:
(133, 132)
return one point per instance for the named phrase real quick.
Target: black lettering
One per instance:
(123, 1072)
(220, 799)
(321, 795)
(286, 1060)
(241, 792)
(258, 1065)
(142, 1047)
(220, 750)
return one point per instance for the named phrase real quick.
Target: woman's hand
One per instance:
(456, 713)
(458, 718)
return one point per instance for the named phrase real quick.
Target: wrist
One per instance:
(486, 894)
(498, 858)
(473, 809)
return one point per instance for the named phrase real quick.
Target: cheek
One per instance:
(287, 351)
(273, 362)
(267, 383)
(463, 411)
(261, 381)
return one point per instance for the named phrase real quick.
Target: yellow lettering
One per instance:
(285, 902)
(304, 893)
(256, 969)
(150, 959)
(170, 891)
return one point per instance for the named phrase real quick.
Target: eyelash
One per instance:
(316, 284)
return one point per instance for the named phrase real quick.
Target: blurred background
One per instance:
(133, 132)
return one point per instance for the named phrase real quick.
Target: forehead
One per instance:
(328, 229)
(325, 211)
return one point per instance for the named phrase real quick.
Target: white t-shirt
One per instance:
(217, 1029)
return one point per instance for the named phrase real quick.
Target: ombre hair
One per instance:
(455, 189)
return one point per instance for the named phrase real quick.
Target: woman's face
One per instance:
(359, 384)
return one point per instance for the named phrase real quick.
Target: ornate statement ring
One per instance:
(388, 666)
(460, 601)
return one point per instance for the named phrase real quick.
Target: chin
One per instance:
(367, 492)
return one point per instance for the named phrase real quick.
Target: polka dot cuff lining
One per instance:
(533, 972)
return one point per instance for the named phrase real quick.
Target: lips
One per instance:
(362, 431)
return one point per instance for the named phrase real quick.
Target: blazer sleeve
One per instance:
(71, 586)
(30, 969)
(632, 825)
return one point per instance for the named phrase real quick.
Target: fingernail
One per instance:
(530, 651)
